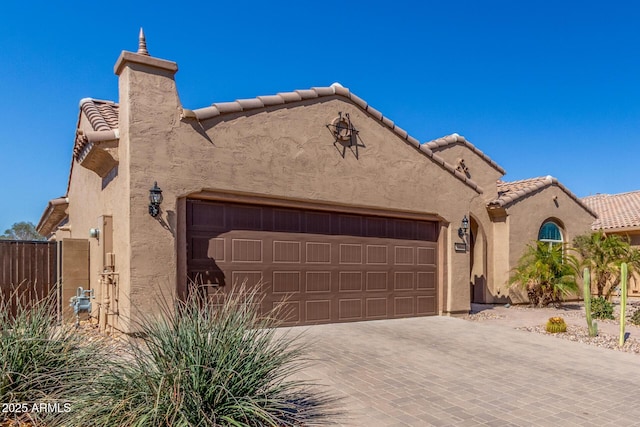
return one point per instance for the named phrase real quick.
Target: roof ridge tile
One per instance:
(455, 138)
(280, 98)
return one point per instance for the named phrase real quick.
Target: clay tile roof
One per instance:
(336, 89)
(511, 192)
(615, 210)
(103, 117)
(457, 139)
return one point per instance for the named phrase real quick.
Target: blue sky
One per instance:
(543, 88)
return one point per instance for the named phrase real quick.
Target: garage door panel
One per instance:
(286, 282)
(317, 222)
(426, 256)
(289, 311)
(318, 310)
(377, 254)
(403, 306)
(377, 281)
(246, 250)
(207, 216)
(403, 280)
(318, 253)
(286, 251)
(248, 277)
(377, 308)
(350, 225)
(426, 280)
(376, 227)
(405, 255)
(349, 281)
(350, 309)
(287, 220)
(350, 253)
(335, 268)
(318, 281)
(426, 305)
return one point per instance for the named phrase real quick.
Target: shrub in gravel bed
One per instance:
(601, 308)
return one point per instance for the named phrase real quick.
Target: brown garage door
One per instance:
(330, 267)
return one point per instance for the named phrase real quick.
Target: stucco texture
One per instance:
(288, 154)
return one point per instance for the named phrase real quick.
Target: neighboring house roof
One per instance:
(453, 139)
(511, 192)
(103, 118)
(615, 210)
(336, 89)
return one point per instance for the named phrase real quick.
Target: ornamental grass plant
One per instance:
(42, 362)
(206, 364)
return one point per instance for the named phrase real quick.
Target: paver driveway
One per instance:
(443, 371)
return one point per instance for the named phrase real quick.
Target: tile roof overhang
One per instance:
(53, 215)
(453, 139)
(616, 212)
(335, 90)
(97, 149)
(512, 192)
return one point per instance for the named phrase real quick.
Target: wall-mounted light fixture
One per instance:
(155, 198)
(464, 227)
(94, 233)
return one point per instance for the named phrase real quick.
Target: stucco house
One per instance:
(618, 214)
(330, 203)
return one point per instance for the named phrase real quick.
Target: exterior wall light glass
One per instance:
(155, 199)
(464, 227)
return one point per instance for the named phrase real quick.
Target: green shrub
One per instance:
(635, 317)
(202, 364)
(555, 325)
(601, 308)
(42, 362)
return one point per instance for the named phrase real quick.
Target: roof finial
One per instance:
(142, 44)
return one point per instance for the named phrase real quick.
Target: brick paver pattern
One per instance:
(440, 371)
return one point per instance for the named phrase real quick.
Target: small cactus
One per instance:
(623, 302)
(593, 326)
(555, 325)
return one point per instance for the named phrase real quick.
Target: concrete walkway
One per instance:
(442, 371)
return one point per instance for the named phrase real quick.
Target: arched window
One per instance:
(550, 232)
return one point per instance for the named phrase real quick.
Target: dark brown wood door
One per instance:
(328, 266)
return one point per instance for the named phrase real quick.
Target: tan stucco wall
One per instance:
(285, 153)
(526, 216)
(89, 202)
(479, 170)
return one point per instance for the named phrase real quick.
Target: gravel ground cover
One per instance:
(574, 314)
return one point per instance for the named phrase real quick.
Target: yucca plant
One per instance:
(42, 362)
(203, 364)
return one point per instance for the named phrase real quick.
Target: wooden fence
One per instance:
(30, 267)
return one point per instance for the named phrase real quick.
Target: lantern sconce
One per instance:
(464, 227)
(155, 199)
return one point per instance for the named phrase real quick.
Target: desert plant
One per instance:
(205, 364)
(546, 272)
(623, 301)
(555, 325)
(586, 281)
(603, 254)
(601, 308)
(635, 317)
(42, 362)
